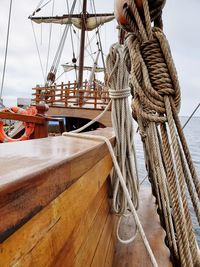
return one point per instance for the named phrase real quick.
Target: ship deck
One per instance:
(135, 254)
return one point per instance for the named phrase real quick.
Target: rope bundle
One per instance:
(123, 127)
(156, 104)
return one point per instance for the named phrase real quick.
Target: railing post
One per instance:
(67, 93)
(61, 92)
(37, 94)
(41, 130)
(95, 99)
(75, 88)
(53, 89)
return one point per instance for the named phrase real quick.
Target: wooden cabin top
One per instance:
(35, 172)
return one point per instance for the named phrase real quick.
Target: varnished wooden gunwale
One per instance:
(38, 241)
(35, 172)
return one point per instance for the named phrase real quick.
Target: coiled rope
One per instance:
(156, 104)
(123, 127)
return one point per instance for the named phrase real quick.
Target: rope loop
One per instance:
(123, 93)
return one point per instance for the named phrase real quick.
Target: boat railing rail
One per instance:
(93, 96)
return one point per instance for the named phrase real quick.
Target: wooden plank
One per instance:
(86, 230)
(36, 172)
(111, 247)
(135, 253)
(80, 232)
(104, 242)
(86, 253)
(40, 239)
(20, 117)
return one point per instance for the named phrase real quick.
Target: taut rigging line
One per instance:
(6, 52)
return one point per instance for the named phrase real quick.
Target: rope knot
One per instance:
(158, 60)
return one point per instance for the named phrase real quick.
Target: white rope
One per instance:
(123, 185)
(123, 127)
(92, 121)
(125, 179)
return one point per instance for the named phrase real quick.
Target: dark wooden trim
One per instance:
(19, 117)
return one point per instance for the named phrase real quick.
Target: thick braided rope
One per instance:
(154, 79)
(186, 225)
(156, 153)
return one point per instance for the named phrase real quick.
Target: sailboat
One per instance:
(79, 99)
(56, 192)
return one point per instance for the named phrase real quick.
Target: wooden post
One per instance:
(41, 130)
(95, 99)
(61, 91)
(74, 88)
(37, 95)
(82, 44)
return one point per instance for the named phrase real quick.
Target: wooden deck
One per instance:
(135, 254)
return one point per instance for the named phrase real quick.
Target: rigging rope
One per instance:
(54, 67)
(6, 51)
(38, 51)
(49, 43)
(190, 117)
(99, 40)
(155, 104)
(72, 42)
(40, 7)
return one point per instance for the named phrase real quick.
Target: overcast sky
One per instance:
(181, 25)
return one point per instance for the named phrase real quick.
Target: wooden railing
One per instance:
(93, 96)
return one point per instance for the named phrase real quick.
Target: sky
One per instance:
(23, 71)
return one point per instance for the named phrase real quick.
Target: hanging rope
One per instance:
(119, 92)
(124, 187)
(156, 104)
(6, 51)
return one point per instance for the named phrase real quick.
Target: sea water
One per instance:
(192, 134)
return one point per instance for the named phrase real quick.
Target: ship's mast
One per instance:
(84, 22)
(82, 44)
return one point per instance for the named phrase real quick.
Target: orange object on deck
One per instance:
(29, 127)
